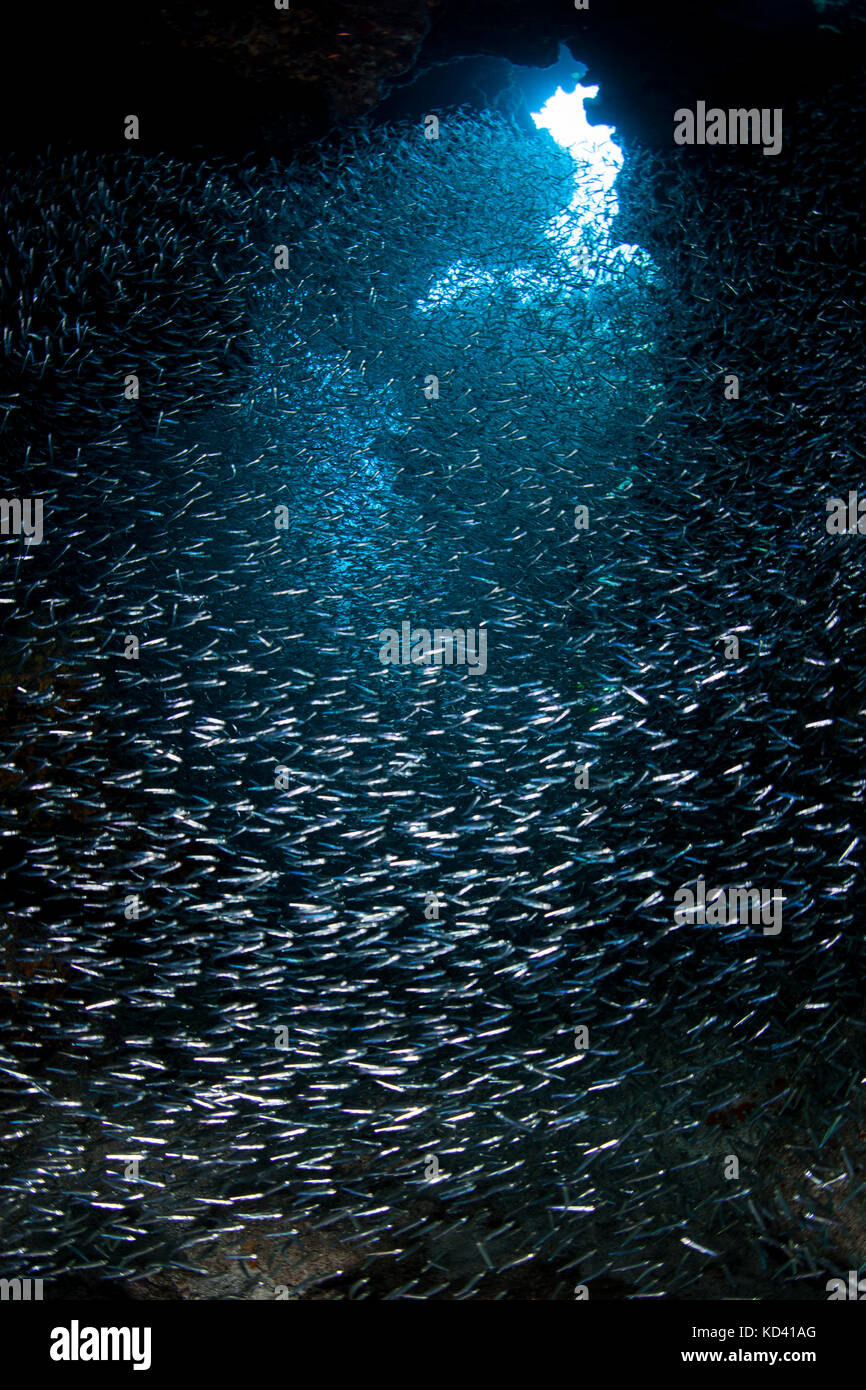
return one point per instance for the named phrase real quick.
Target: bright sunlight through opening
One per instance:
(593, 149)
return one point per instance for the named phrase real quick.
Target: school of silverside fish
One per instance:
(219, 956)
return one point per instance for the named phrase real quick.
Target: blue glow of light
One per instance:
(581, 231)
(598, 159)
(564, 116)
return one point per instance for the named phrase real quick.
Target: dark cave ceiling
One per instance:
(234, 80)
